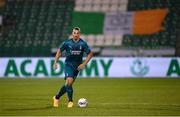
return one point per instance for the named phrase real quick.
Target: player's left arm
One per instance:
(88, 58)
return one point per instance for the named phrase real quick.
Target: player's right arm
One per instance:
(58, 54)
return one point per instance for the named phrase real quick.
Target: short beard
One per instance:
(75, 38)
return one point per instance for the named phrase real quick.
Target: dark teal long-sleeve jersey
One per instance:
(74, 51)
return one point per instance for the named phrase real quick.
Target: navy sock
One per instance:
(69, 91)
(61, 92)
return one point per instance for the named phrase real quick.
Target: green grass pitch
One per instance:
(106, 97)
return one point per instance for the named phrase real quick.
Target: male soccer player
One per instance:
(75, 48)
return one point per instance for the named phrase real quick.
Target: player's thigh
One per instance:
(68, 71)
(70, 79)
(75, 74)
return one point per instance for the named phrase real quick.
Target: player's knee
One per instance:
(69, 81)
(69, 84)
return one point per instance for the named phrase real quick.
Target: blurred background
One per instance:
(33, 28)
(133, 38)
(135, 69)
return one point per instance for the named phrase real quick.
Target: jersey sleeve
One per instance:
(87, 49)
(62, 46)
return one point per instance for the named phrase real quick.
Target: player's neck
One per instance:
(76, 40)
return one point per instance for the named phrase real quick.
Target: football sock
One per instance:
(69, 91)
(61, 92)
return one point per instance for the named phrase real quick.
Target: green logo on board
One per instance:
(140, 67)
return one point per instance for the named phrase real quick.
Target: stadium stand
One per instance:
(37, 27)
(167, 38)
(164, 41)
(34, 26)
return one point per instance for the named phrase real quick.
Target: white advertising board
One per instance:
(106, 67)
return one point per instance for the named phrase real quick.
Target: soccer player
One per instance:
(75, 48)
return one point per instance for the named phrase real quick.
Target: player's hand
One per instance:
(81, 66)
(55, 66)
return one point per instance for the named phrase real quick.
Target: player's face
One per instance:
(76, 34)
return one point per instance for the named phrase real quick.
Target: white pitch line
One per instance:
(137, 104)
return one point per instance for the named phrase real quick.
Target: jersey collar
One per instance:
(76, 41)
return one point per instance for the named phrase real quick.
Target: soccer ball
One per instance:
(82, 102)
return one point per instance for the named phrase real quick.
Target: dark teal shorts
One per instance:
(70, 71)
